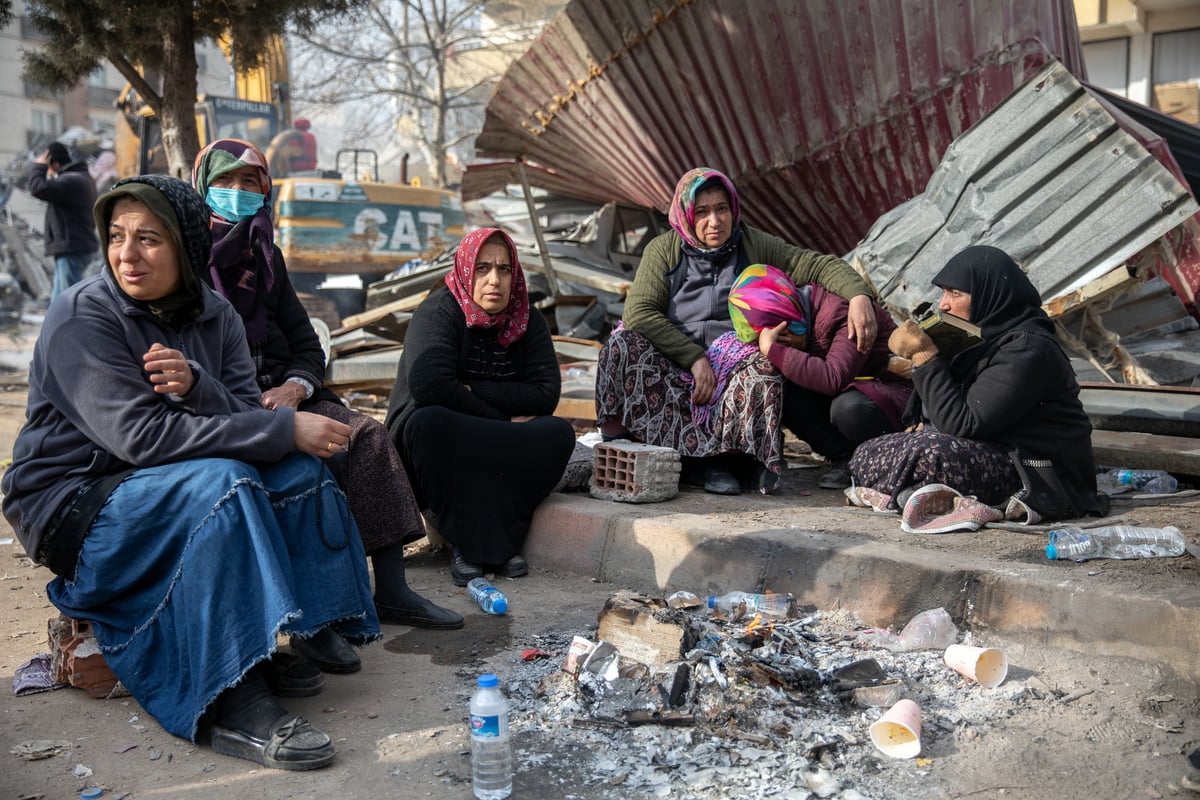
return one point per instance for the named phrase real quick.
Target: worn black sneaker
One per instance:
(291, 675)
(462, 571)
(836, 478)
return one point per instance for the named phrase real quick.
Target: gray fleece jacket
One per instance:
(92, 410)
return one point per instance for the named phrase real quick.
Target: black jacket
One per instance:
(434, 369)
(292, 348)
(1019, 391)
(69, 198)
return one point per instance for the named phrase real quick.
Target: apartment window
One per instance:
(44, 122)
(1108, 64)
(34, 90)
(1176, 56)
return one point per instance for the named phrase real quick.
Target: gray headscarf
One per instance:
(186, 216)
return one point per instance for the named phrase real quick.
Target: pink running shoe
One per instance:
(940, 509)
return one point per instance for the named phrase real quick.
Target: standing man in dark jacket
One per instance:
(66, 187)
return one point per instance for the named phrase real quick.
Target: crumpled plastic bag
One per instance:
(929, 630)
(684, 600)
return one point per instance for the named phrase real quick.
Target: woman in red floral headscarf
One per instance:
(470, 411)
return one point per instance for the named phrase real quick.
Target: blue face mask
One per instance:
(234, 204)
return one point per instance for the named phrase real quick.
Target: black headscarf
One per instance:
(186, 217)
(1002, 296)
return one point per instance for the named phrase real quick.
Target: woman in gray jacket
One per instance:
(186, 522)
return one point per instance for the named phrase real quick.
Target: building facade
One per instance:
(34, 117)
(1145, 50)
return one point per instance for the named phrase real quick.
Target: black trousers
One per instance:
(832, 426)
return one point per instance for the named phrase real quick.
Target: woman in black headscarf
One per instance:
(1002, 420)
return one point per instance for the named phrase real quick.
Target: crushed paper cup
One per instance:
(987, 666)
(578, 652)
(898, 732)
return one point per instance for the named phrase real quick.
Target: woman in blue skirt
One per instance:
(186, 522)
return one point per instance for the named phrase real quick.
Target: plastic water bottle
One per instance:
(490, 599)
(743, 604)
(491, 749)
(1151, 481)
(1115, 541)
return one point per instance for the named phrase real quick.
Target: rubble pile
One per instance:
(753, 708)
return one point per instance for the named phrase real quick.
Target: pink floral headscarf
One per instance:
(682, 215)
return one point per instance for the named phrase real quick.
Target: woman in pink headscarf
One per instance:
(470, 411)
(654, 370)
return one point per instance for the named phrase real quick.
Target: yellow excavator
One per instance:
(339, 221)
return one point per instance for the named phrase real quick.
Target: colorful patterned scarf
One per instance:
(682, 215)
(240, 248)
(762, 297)
(513, 321)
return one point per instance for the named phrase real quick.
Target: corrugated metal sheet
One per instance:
(825, 114)
(1047, 176)
(486, 179)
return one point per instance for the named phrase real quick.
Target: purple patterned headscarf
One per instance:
(762, 297)
(726, 354)
(682, 215)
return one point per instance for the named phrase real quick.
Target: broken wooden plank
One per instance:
(576, 408)
(1108, 284)
(1132, 450)
(364, 318)
(570, 348)
(628, 622)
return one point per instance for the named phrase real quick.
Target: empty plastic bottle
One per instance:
(1151, 481)
(490, 599)
(1114, 541)
(491, 749)
(742, 604)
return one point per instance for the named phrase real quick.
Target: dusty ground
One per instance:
(1077, 728)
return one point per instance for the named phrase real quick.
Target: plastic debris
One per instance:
(38, 749)
(929, 630)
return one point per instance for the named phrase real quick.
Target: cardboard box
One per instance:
(1181, 100)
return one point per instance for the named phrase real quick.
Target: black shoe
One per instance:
(329, 651)
(292, 744)
(836, 478)
(515, 567)
(764, 481)
(462, 571)
(720, 481)
(290, 675)
(420, 613)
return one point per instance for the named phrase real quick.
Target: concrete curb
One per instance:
(665, 549)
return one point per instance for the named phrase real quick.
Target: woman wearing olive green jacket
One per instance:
(659, 383)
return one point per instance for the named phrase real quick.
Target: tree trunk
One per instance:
(181, 140)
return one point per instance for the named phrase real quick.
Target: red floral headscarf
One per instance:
(513, 321)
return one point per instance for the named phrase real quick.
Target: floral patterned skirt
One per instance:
(899, 461)
(651, 396)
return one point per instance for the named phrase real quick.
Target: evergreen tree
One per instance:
(158, 37)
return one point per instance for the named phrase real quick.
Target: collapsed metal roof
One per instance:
(1049, 177)
(824, 114)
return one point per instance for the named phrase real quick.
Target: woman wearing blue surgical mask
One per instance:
(248, 269)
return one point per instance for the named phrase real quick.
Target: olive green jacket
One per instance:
(646, 304)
